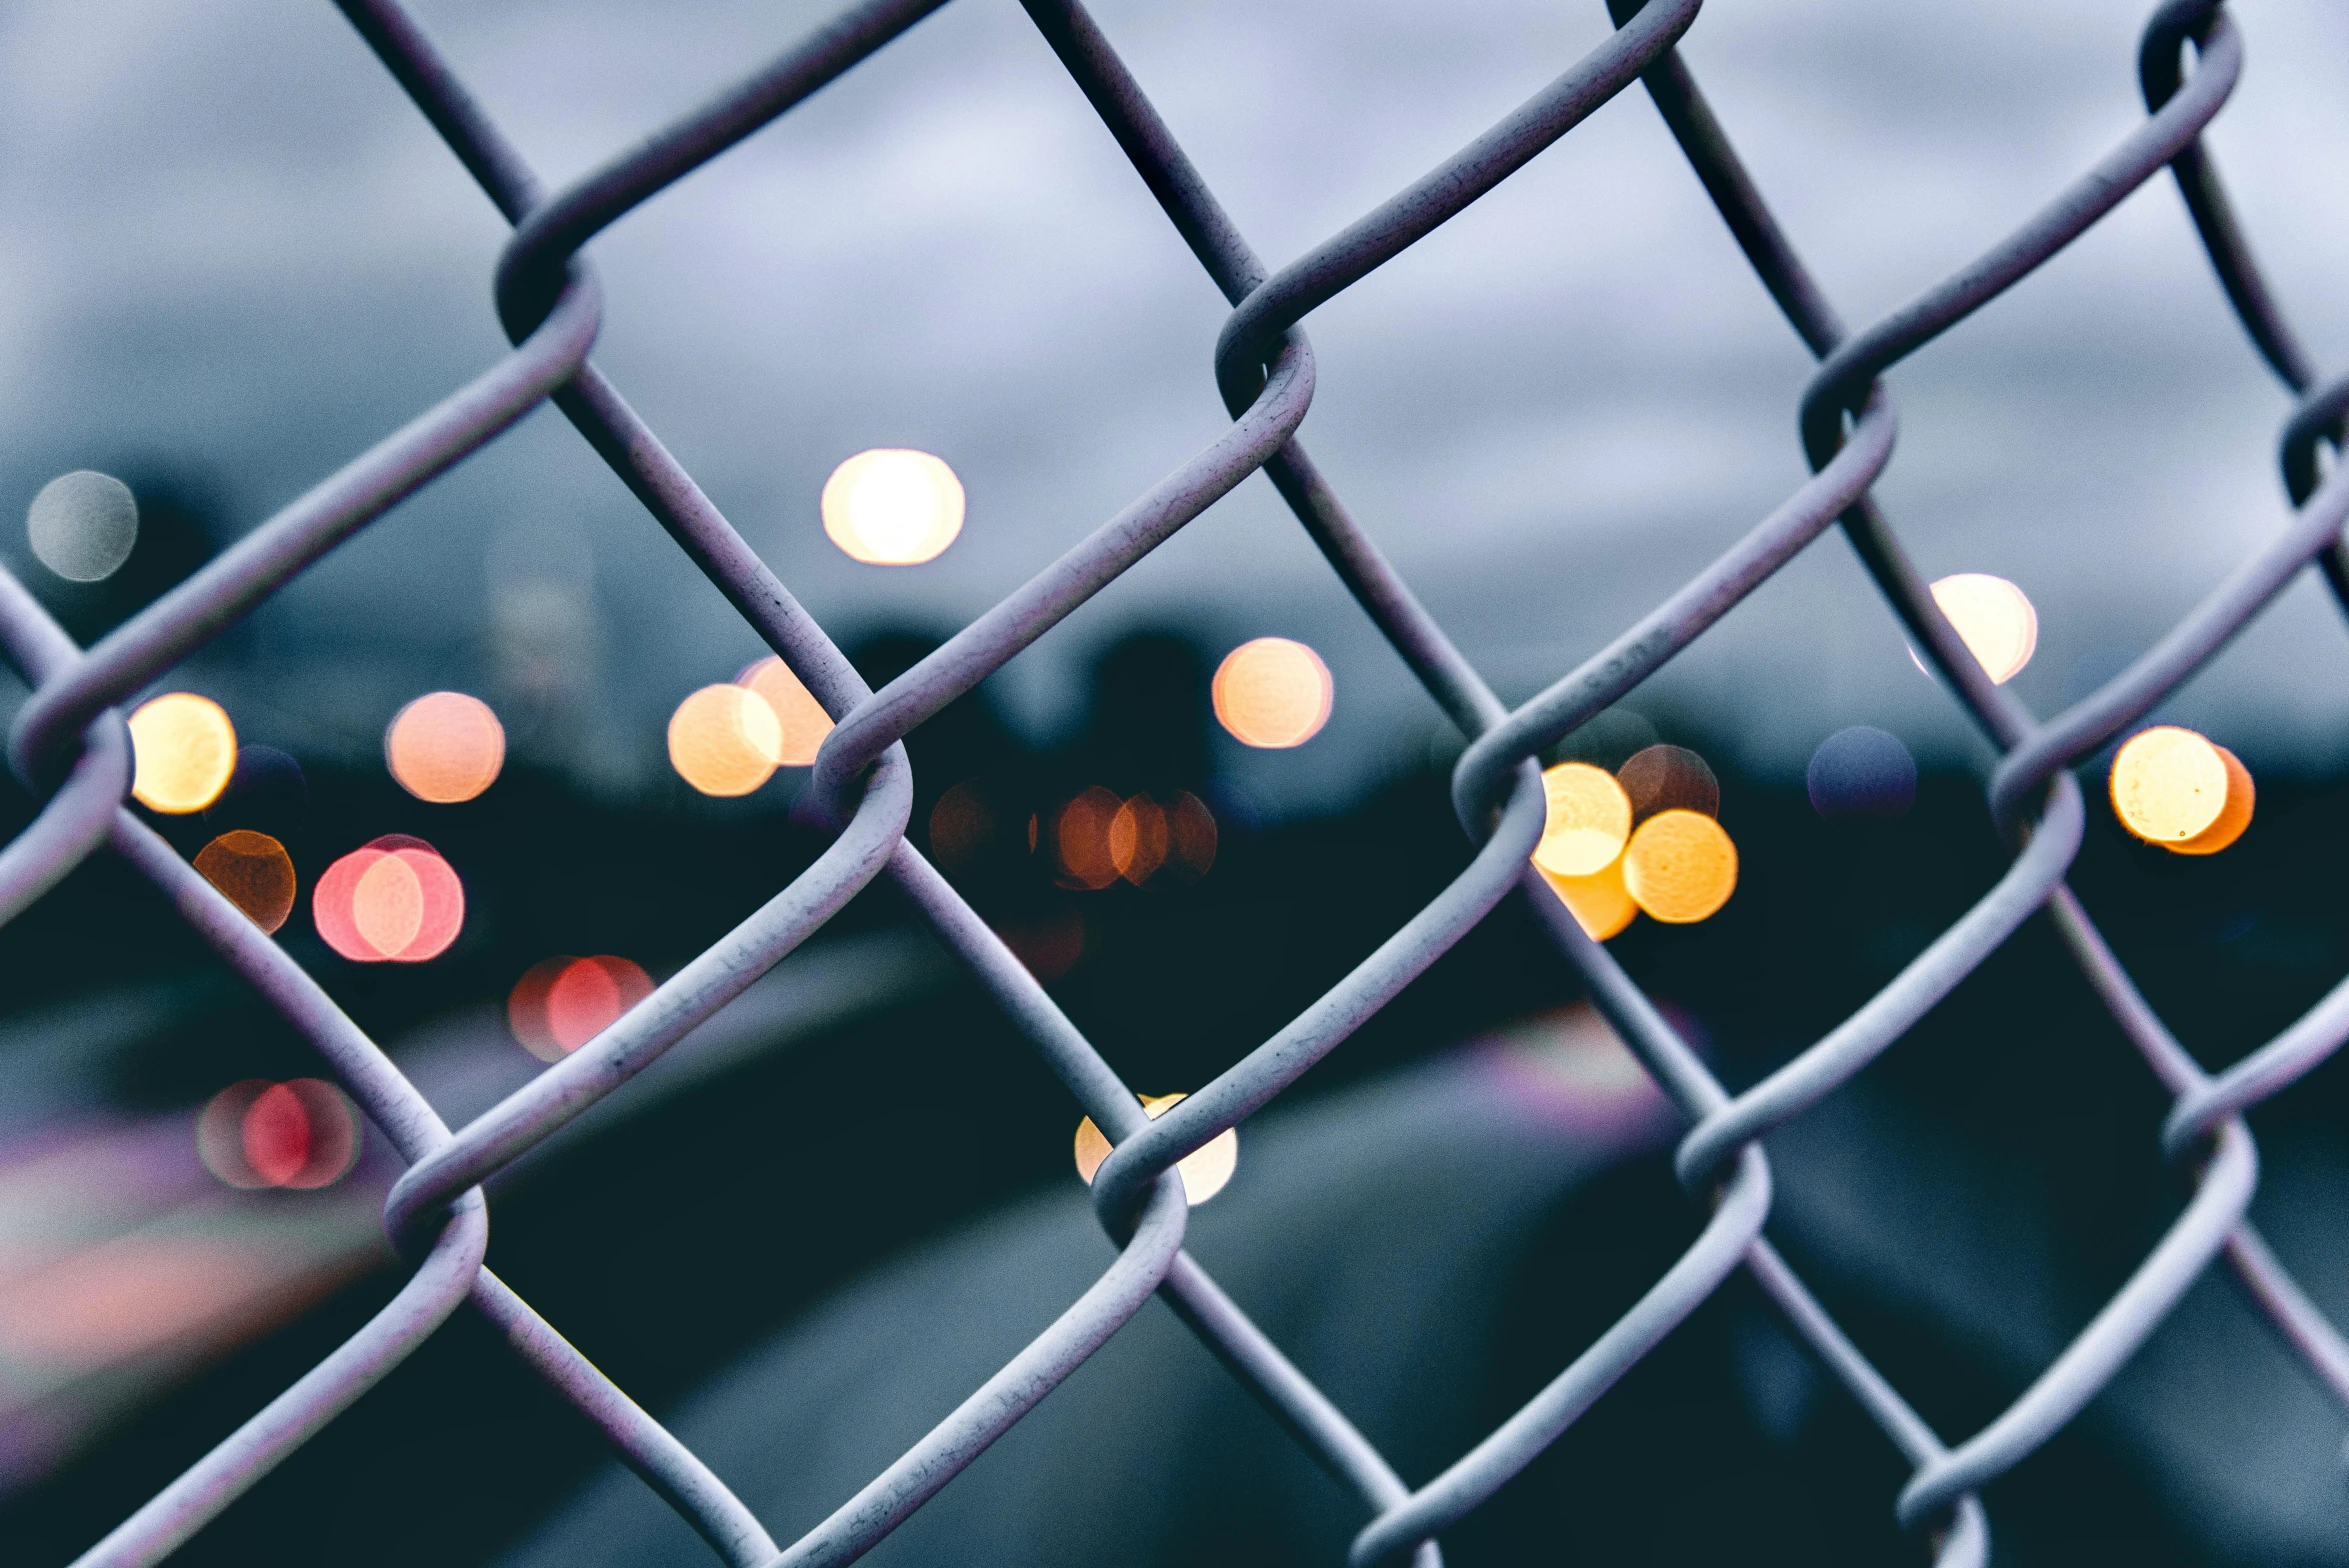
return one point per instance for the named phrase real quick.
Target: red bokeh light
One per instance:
(395, 900)
(300, 1134)
(561, 1003)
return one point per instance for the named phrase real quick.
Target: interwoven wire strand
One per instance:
(70, 745)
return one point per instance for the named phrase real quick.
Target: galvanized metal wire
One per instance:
(69, 744)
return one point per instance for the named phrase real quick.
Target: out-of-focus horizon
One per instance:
(238, 257)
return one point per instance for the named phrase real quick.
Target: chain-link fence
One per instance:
(71, 746)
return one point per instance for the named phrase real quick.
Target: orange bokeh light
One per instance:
(1680, 866)
(1190, 829)
(725, 740)
(801, 719)
(1587, 819)
(253, 872)
(1080, 840)
(561, 1003)
(445, 747)
(300, 1134)
(1205, 1170)
(2233, 817)
(396, 900)
(1138, 840)
(1272, 693)
(2170, 786)
(1600, 903)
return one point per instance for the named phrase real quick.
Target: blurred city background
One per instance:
(235, 256)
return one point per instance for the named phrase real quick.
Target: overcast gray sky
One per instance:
(234, 252)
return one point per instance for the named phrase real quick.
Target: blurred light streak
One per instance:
(725, 740)
(799, 718)
(1589, 820)
(254, 872)
(1680, 867)
(183, 750)
(892, 507)
(1205, 1170)
(445, 747)
(83, 525)
(124, 1297)
(1272, 693)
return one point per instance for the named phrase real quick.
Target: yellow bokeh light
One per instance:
(2233, 818)
(724, 740)
(445, 747)
(1601, 904)
(892, 507)
(253, 871)
(801, 719)
(1589, 819)
(183, 750)
(1273, 693)
(1204, 1170)
(1994, 619)
(1680, 866)
(2170, 786)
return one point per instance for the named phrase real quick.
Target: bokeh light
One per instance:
(1204, 1170)
(1272, 693)
(1993, 618)
(1589, 820)
(301, 1134)
(445, 747)
(266, 792)
(1139, 839)
(394, 900)
(1191, 837)
(2170, 785)
(183, 750)
(1861, 774)
(1600, 903)
(724, 740)
(83, 525)
(800, 719)
(1680, 866)
(2233, 817)
(1080, 840)
(1668, 778)
(962, 826)
(561, 1003)
(892, 507)
(253, 872)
